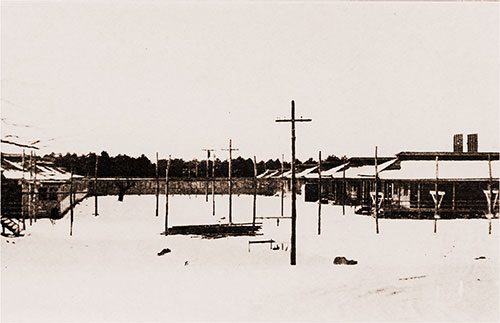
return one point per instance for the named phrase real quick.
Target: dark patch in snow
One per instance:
(216, 231)
(164, 251)
(480, 257)
(413, 277)
(344, 261)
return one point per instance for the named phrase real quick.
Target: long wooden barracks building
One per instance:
(467, 183)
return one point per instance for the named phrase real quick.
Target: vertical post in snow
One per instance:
(206, 176)
(453, 202)
(71, 202)
(492, 200)
(166, 196)
(319, 193)
(157, 186)
(436, 202)
(208, 150)
(30, 190)
(282, 183)
(35, 202)
(23, 211)
(254, 190)
(95, 184)
(376, 190)
(213, 187)
(344, 190)
(418, 200)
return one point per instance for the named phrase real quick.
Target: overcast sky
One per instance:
(176, 77)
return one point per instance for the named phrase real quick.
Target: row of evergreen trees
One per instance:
(126, 166)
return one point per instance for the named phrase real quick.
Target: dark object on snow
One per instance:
(214, 231)
(481, 257)
(186, 263)
(344, 261)
(164, 251)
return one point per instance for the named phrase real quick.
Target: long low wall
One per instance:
(112, 186)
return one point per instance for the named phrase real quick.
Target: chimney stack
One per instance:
(458, 143)
(472, 143)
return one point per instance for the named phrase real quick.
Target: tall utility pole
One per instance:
(292, 120)
(208, 150)
(319, 193)
(230, 180)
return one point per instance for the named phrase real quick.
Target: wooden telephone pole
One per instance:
(292, 120)
(230, 181)
(208, 150)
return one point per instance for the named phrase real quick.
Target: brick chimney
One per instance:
(458, 143)
(472, 143)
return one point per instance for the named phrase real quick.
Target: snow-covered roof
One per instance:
(306, 172)
(447, 169)
(268, 173)
(362, 171)
(327, 173)
(264, 175)
(12, 169)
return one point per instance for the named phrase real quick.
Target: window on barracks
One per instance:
(42, 193)
(53, 194)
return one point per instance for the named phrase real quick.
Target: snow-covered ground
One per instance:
(109, 269)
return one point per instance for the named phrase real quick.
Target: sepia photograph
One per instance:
(250, 161)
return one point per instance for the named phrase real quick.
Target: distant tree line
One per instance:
(126, 166)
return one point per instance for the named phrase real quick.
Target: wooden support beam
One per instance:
(213, 187)
(453, 203)
(419, 187)
(157, 186)
(492, 200)
(319, 193)
(376, 191)
(436, 202)
(95, 184)
(282, 183)
(71, 202)
(35, 191)
(254, 189)
(344, 190)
